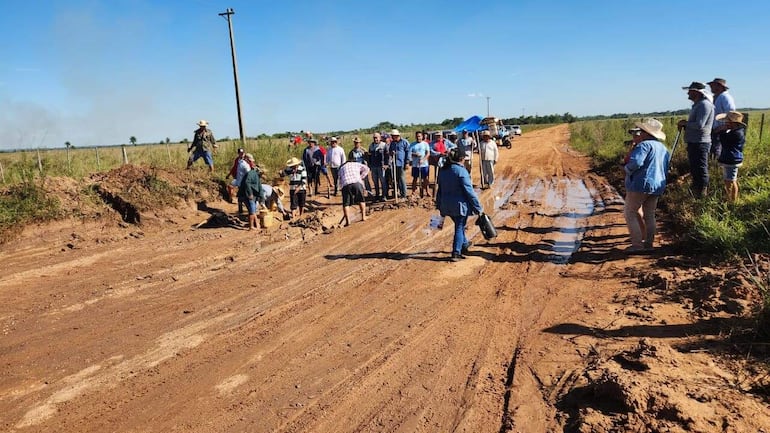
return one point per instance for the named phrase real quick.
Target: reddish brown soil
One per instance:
(185, 322)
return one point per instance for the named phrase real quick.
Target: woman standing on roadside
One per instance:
(456, 199)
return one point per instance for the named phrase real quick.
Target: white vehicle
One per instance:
(514, 129)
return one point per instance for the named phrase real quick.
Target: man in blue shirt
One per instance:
(399, 148)
(697, 135)
(723, 103)
(418, 152)
(645, 182)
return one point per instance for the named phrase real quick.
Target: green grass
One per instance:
(710, 225)
(25, 203)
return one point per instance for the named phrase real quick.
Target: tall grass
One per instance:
(710, 225)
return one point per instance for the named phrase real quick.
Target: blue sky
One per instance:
(95, 72)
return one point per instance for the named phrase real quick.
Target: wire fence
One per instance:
(19, 166)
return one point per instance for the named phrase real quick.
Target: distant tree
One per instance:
(161, 141)
(185, 141)
(383, 126)
(67, 144)
(167, 140)
(132, 140)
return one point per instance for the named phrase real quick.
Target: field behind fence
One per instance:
(78, 163)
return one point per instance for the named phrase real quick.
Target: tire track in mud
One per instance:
(334, 333)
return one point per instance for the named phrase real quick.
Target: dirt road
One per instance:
(366, 328)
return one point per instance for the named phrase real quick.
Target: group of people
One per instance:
(249, 190)
(349, 173)
(712, 128)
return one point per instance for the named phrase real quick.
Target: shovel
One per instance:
(676, 142)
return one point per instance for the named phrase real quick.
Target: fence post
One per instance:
(39, 162)
(2, 173)
(98, 164)
(69, 166)
(168, 151)
(125, 155)
(761, 127)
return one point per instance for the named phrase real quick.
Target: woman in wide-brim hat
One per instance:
(733, 138)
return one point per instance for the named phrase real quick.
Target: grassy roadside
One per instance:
(709, 226)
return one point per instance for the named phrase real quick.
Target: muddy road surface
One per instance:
(367, 328)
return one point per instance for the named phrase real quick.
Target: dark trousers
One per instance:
(401, 181)
(716, 146)
(698, 156)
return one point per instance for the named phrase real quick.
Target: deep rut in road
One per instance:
(366, 328)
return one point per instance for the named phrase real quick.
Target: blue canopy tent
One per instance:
(471, 124)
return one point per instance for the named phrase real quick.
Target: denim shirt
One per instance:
(646, 168)
(455, 196)
(399, 150)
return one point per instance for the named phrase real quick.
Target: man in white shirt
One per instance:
(335, 157)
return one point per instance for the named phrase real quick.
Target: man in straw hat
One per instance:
(733, 138)
(723, 103)
(489, 155)
(697, 135)
(645, 182)
(203, 142)
(297, 175)
(399, 150)
(273, 196)
(250, 191)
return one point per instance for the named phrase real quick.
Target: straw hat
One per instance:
(203, 123)
(652, 127)
(731, 116)
(249, 157)
(356, 139)
(395, 132)
(721, 81)
(293, 162)
(486, 133)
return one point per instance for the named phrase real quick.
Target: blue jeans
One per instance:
(460, 240)
(698, 156)
(380, 184)
(401, 181)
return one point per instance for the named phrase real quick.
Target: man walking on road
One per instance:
(697, 135)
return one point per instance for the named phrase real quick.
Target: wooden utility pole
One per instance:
(228, 13)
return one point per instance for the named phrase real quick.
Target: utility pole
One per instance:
(487, 106)
(228, 13)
